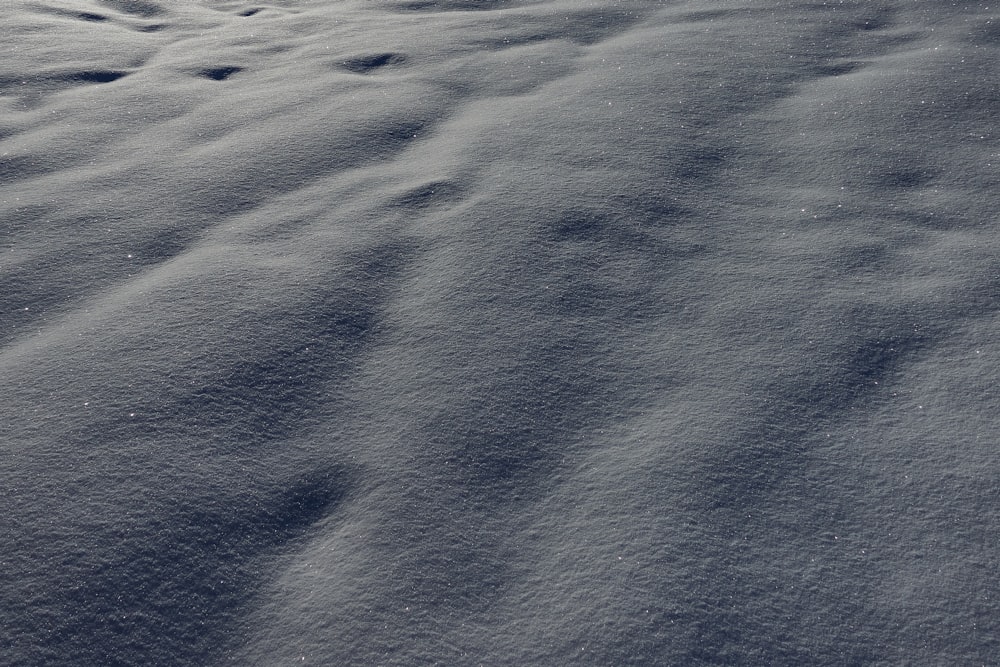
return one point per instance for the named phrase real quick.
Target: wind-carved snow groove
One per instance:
(436, 6)
(89, 17)
(840, 68)
(191, 572)
(34, 87)
(432, 195)
(219, 73)
(582, 27)
(771, 456)
(141, 8)
(290, 370)
(775, 449)
(370, 63)
(352, 142)
(41, 288)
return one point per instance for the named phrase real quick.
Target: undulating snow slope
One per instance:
(457, 332)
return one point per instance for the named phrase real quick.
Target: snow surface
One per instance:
(458, 332)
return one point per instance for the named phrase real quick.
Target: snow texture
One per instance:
(499, 332)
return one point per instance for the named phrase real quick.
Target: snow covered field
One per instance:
(461, 332)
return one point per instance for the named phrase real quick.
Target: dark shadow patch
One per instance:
(873, 361)
(275, 391)
(365, 143)
(774, 451)
(579, 226)
(705, 15)
(511, 435)
(903, 178)
(219, 73)
(429, 195)
(587, 298)
(276, 49)
(392, 138)
(859, 259)
(511, 41)
(249, 12)
(163, 245)
(700, 162)
(303, 504)
(88, 16)
(266, 399)
(30, 297)
(23, 166)
(57, 80)
(276, 517)
(455, 5)
(134, 7)
(874, 20)
(153, 27)
(168, 588)
(839, 69)
(499, 461)
(369, 63)
(106, 76)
